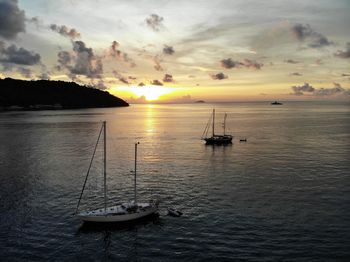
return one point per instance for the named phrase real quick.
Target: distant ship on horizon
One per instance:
(276, 103)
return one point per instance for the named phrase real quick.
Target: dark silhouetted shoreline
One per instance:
(45, 94)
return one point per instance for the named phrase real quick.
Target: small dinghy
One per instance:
(173, 212)
(243, 140)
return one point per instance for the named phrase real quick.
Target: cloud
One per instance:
(168, 50)
(157, 65)
(155, 22)
(168, 78)
(44, 76)
(86, 63)
(344, 54)
(35, 20)
(229, 63)
(25, 72)
(219, 76)
(156, 82)
(118, 54)
(306, 33)
(139, 100)
(337, 89)
(20, 56)
(100, 85)
(12, 19)
(306, 88)
(295, 74)
(114, 52)
(182, 99)
(64, 58)
(120, 77)
(291, 61)
(298, 90)
(251, 63)
(81, 62)
(65, 31)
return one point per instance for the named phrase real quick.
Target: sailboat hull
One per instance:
(120, 213)
(218, 140)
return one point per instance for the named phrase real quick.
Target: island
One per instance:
(200, 101)
(46, 94)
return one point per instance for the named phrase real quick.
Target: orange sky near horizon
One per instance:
(182, 51)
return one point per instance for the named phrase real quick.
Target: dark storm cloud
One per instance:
(306, 88)
(291, 61)
(65, 31)
(20, 56)
(168, 50)
(219, 76)
(156, 82)
(154, 22)
(168, 78)
(12, 19)
(344, 54)
(295, 74)
(306, 33)
(229, 63)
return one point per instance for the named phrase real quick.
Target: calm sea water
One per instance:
(282, 196)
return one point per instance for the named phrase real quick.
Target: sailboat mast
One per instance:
(135, 193)
(225, 123)
(213, 121)
(104, 164)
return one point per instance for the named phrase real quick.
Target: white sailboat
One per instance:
(116, 213)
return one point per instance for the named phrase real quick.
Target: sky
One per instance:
(182, 51)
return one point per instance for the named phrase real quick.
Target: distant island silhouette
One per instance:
(46, 94)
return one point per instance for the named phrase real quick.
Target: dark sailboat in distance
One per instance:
(216, 139)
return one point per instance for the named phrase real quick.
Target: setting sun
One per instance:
(150, 93)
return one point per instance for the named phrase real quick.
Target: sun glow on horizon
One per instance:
(150, 93)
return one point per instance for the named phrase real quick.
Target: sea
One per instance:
(283, 195)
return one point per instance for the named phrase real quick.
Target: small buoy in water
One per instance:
(173, 212)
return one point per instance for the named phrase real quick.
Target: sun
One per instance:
(151, 93)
